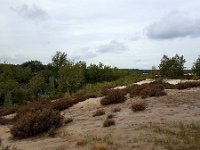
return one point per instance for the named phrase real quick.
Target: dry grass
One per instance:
(139, 106)
(99, 112)
(101, 146)
(177, 136)
(114, 97)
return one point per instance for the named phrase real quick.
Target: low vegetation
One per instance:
(109, 116)
(116, 109)
(146, 90)
(36, 122)
(61, 104)
(109, 122)
(114, 97)
(6, 121)
(139, 106)
(99, 112)
(177, 136)
(68, 120)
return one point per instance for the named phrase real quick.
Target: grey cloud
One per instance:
(84, 53)
(31, 12)
(174, 25)
(112, 47)
(16, 59)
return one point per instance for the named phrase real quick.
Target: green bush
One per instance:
(172, 67)
(196, 67)
(36, 122)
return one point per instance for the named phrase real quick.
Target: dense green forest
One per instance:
(33, 80)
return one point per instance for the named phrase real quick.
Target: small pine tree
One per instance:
(196, 67)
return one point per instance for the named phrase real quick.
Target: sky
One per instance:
(121, 33)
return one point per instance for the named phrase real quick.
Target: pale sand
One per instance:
(178, 105)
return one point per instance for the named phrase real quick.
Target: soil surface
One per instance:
(86, 132)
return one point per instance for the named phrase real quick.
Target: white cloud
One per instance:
(15, 59)
(112, 47)
(174, 25)
(31, 12)
(84, 53)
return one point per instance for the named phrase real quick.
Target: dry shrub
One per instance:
(5, 121)
(36, 122)
(116, 109)
(109, 122)
(81, 142)
(110, 116)
(68, 120)
(61, 104)
(7, 111)
(99, 112)
(105, 91)
(32, 107)
(114, 97)
(78, 97)
(91, 95)
(101, 146)
(139, 106)
(147, 90)
(187, 85)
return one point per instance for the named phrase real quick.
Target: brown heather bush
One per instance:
(116, 109)
(61, 104)
(187, 85)
(32, 107)
(7, 111)
(105, 91)
(139, 106)
(110, 116)
(5, 121)
(68, 120)
(99, 112)
(36, 122)
(147, 90)
(109, 122)
(114, 97)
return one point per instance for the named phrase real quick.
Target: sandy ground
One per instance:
(177, 105)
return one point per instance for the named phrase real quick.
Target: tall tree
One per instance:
(60, 59)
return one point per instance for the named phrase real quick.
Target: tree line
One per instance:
(174, 66)
(33, 80)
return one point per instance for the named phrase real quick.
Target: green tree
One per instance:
(60, 59)
(34, 65)
(172, 67)
(70, 78)
(37, 84)
(196, 67)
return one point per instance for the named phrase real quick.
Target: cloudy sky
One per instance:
(122, 33)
